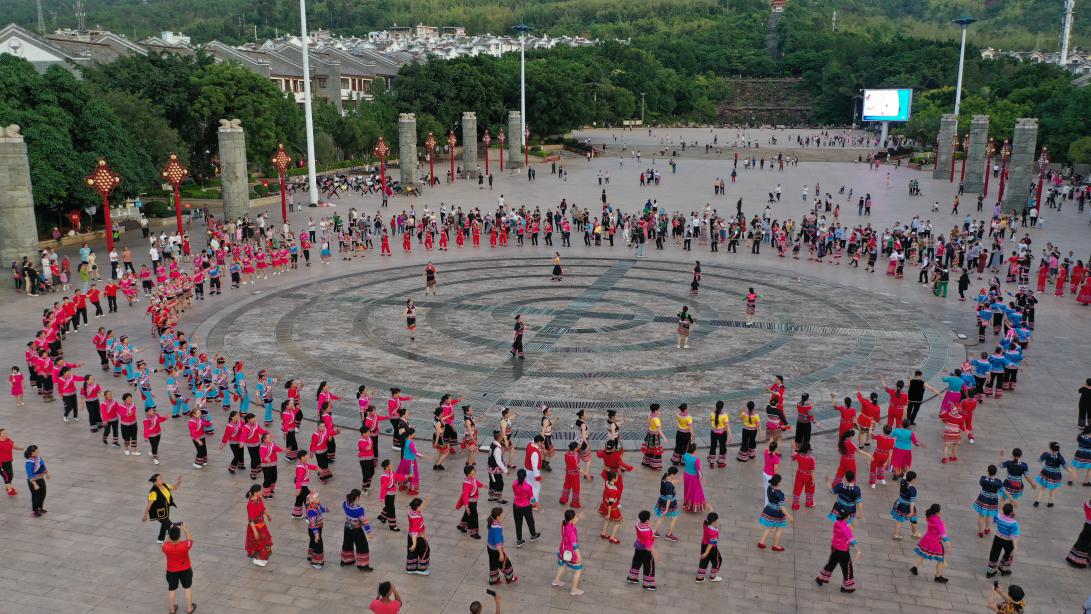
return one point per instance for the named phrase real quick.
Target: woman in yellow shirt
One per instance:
(653, 440)
(683, 435)
(720, 436)
(751, 422)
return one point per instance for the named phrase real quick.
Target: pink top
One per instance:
(232, 432)
(645, 536)
(196, 430)
(152, 426)
(772, 459)
(126, 413)
(366, 451)
(522, 494)
(416, 523)
(570, 539)
(1087, 512)
(934, 535)
(842, 536)
(711, 536)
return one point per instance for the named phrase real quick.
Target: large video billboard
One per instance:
(887, 105)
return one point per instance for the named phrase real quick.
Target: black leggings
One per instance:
(1001, 553)
(523, 514)
(911, 411)
(717, 445)
(70, 405)
(37, 495)
(128, 433)
(107, 428)
(803, 432)
(153, 441)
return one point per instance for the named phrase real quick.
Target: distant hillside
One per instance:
(1004, 23)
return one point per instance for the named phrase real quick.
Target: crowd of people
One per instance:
(204, 389)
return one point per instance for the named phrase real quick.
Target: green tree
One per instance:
(1079, 151)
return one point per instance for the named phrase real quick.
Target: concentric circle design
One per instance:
(604, 338)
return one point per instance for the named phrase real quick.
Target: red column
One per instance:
(178, 206)
(988, 171)
(109, 224)
(283, 199)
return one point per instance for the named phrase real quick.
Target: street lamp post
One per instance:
(990, 151)
(104, 181)
(526, 146)
(430, 143)
(381, 149)
(1005, 155)
(304, 41)
(500, 137)
(522, 29)
(486, 139)
(1043, 164)
(965, 22)
(452, 141)
(954, 148)
(281, 160)
(174, 173)
(641, 108)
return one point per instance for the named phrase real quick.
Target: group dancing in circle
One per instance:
(199, 381)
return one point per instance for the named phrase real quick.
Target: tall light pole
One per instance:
(965, 22)
(312, 174)
(641, 108)
(1066, 31)
(522, 30)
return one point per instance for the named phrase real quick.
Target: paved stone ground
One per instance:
(836, 327)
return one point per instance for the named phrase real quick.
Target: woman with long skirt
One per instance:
(568, 555)
(259, 542)
(693, 488)
(1080, 554)
(934, 546)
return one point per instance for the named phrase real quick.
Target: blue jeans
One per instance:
(640, 249)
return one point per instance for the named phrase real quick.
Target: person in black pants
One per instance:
(517, 337)
(1085, 404)
(916, 397)
(37, 474)
(523, 513)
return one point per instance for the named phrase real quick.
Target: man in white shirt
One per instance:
(497, 469)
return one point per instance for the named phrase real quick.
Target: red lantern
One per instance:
(174, 173)
(281, 160)
(381, 149)
(104, 181)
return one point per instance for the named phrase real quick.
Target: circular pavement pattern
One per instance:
(604, 338)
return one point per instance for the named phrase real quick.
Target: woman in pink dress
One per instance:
(568, 556)
(1084, 296)
(934, 545)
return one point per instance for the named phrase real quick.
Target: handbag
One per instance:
(567, 556)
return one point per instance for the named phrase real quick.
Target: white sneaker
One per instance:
(135, 453)
(155, 460)
(196, 466)
(716, 579)
(126, 451)
(971, 439)
(76, 419)
(872, 485)
(883, 481)
(66, 418)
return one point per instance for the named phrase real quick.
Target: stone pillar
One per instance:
(236, 180)
(515, 139)
(469, 144)
(1021, 166)
(407, 148)
(19, 230)
(948, 124)
(975, 157)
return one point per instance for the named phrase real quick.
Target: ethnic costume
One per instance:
(653, 444)
(1050, 477)
(693, 494)
(932, 545)
(1080, 554)
(710, 540)
(988, 500)
(902, 510)
(260, 546)
(571, 488)
(804, 481)
(354, 547)
(316, 519)
(470, 489)
(494, 546)
(1013, 484)
(417, 552)
(773, 514)
(643, 565)
(667, 502)
(843, 539)
(1002, 552)
(848, 496)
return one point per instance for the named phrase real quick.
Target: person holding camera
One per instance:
(387, 601)
(179, 568)
(1010, 602)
